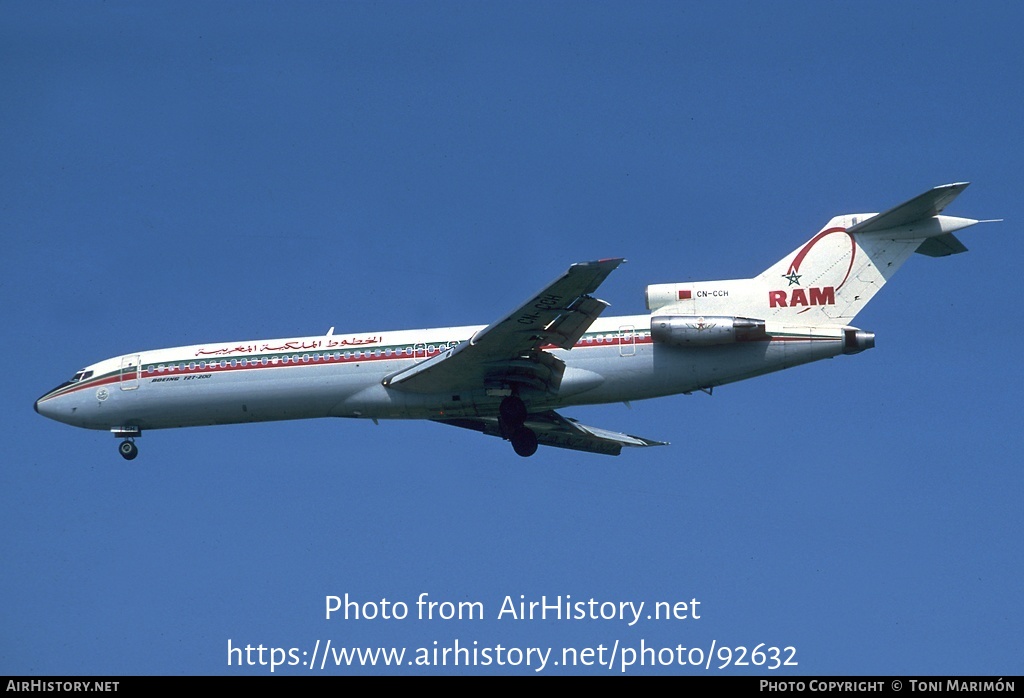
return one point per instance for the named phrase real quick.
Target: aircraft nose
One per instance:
(41, 407)
(46, 407)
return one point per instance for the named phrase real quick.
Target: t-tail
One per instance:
(830, 278)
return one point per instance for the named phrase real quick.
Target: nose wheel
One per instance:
(128, 449)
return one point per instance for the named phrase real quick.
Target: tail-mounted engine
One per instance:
(705, 331)
(855, 341)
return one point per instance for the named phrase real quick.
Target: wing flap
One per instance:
(567, 328)
(552, 429)
(538, 370)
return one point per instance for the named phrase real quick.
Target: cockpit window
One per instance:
(81, 376)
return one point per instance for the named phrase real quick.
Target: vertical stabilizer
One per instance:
(830, 278)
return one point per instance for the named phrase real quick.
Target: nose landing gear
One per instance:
(127, 448)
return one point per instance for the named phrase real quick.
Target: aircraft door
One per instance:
(130, 372)
(627, 340)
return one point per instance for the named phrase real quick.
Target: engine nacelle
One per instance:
(855, 341)
(705, 331)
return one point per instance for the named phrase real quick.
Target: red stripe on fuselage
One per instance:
(150, 371)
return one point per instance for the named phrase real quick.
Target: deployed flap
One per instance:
(941, 246)
(919, 208)
(552, 429)
(558, 316)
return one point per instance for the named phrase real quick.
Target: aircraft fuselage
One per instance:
(339, 375)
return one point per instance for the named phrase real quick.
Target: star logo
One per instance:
(702, 325)
(793, 278)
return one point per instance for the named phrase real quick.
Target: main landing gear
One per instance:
(127, 448)
(511, 418)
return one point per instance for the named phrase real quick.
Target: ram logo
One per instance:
(799, 296)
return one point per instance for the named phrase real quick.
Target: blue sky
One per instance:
(179, 173)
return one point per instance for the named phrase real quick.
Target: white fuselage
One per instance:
(340, 375)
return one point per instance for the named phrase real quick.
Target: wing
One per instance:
(510, 350)
(552, 429)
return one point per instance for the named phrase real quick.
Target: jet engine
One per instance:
(855, 341)
(704, 330)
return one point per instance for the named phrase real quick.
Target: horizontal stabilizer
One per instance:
(941, 246)
(917, 209)
(552, 429)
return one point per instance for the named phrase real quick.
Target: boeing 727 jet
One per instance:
(509, 378)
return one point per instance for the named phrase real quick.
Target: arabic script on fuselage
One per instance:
(295, 345)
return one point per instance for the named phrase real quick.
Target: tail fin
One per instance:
(831, 277)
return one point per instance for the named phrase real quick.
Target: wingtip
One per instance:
(604, 266)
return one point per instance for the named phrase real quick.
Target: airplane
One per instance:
(507, 379)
